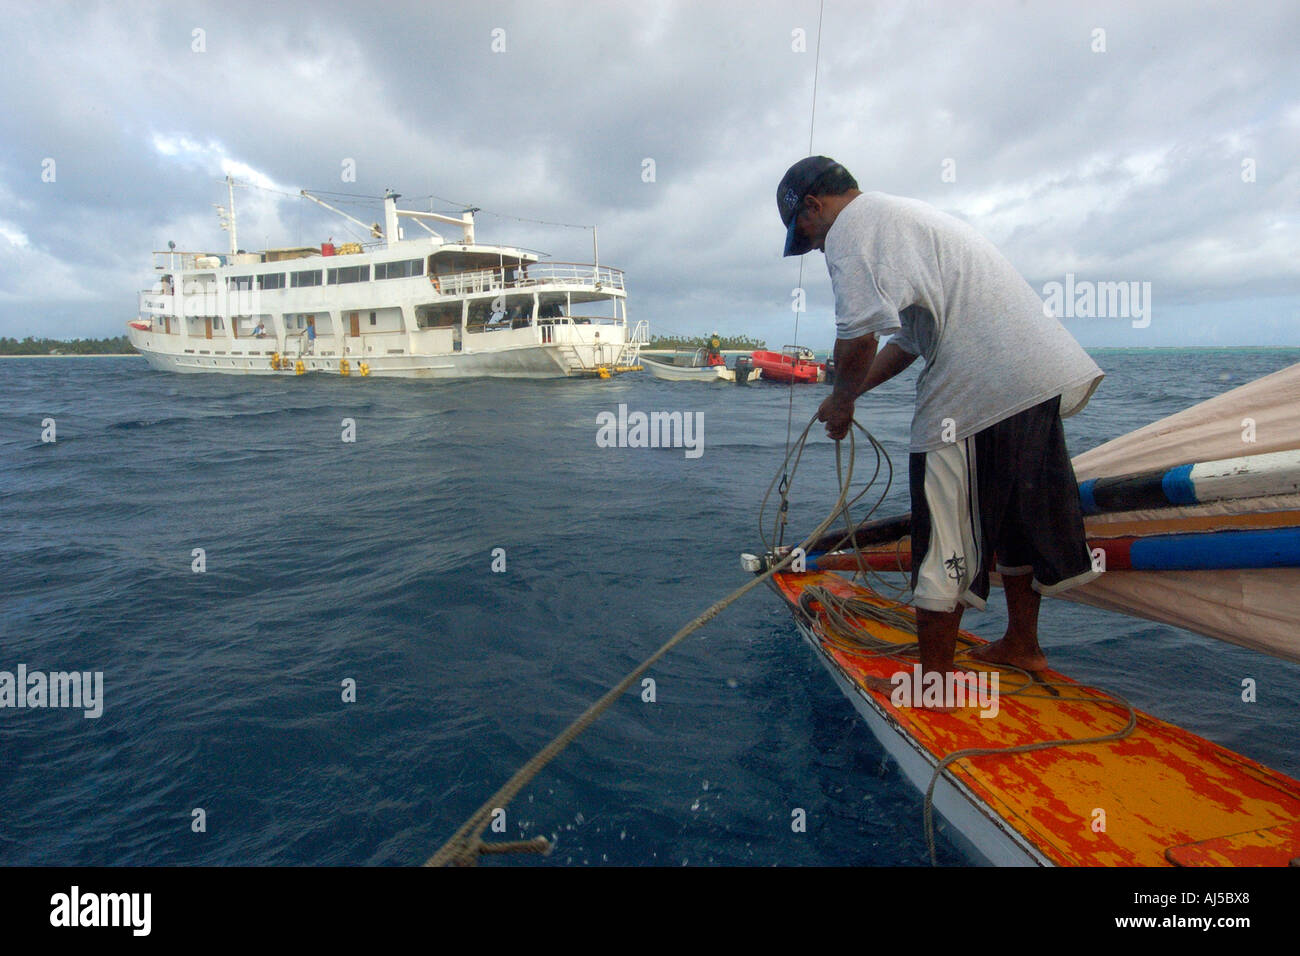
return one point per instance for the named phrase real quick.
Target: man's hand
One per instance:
(852, 359)
(837, 413)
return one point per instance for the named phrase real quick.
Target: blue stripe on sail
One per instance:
(1271, 548)
(1178, 486)
(1086, 500)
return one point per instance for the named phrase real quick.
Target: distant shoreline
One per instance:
(75, 355)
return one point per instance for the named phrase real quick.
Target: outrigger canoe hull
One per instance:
(1161, 796)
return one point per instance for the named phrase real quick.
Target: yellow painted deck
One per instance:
(1168, 796)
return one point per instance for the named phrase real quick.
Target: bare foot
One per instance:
(1001, 652)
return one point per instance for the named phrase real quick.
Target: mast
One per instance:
(226, 215)
(234, 232)
(390, 215)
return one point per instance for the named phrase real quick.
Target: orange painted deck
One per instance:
(1168, 796)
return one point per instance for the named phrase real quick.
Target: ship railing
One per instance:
(527, 277)
(306, 345)
(579, 320)
(177, 261)
(570, 273)
(630, 354)
(620, 354)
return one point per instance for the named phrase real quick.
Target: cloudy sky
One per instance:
(1151, 143)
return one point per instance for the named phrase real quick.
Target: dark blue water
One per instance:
(371, 561)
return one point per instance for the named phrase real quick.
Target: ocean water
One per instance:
(329, 562)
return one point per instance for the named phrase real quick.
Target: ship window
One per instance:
(438, 316)
(271, 280)
(349, 274)
(399, 270)
(304, 278)
(489, 315)
(550, 308)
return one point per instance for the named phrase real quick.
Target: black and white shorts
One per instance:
(1004, 499)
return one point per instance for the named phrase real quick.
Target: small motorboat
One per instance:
(792, 364)
(687, 366)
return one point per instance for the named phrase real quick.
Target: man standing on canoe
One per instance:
(988, 471)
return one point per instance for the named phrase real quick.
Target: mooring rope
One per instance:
(466, 844)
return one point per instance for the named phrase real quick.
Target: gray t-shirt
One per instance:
(990, 350)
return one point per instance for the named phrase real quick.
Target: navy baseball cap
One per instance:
(794, 187)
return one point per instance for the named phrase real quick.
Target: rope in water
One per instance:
(466, 844)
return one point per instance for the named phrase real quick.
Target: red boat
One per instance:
(792, 363)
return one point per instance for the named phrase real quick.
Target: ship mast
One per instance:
(227, 219)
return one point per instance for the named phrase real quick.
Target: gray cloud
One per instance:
(1123, 164)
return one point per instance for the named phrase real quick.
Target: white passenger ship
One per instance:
(416, 308)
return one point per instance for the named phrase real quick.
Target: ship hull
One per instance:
(256, 358)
